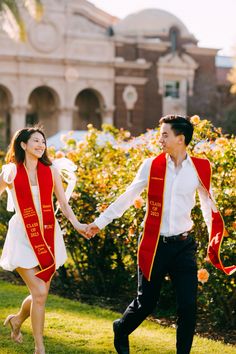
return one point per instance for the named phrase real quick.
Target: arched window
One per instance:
(89, 110)
(43, 107)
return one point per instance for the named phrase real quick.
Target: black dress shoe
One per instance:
(121, 342)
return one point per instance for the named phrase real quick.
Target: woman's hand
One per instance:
(88, 231)
(82, 229)
(92, 230)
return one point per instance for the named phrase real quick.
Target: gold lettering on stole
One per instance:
(40, 249)
(154, 208)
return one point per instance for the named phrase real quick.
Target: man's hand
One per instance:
(91, 230)
(82, 229)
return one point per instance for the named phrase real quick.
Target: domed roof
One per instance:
(150, 22)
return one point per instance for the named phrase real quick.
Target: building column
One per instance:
(107, 115)
(65, 119)
(18, 115)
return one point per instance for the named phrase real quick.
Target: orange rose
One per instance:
(228, 212)
(221, 141)
(225, 234)
(138, 203)
(131, 231)
(59, 154)
(71, 155)
(234, 224)
(195, 119)
(202, 275)
(102, 207)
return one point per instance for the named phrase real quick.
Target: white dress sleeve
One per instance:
(9, 174)
(67, 169)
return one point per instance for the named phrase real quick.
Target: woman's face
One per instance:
(35, 146)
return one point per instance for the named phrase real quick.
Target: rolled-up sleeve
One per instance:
(207, 205)
(125, 200)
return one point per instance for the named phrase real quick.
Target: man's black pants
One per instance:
(176, 258)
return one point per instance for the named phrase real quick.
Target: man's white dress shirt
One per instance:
(180, 189)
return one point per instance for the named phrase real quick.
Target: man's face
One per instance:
(168, 140)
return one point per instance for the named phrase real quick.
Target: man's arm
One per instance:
(124, 201)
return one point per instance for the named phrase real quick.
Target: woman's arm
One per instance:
(3, 184)
(65, 207)
(7, 176)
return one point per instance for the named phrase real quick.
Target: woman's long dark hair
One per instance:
(15, 152)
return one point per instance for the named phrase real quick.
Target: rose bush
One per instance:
(107, 162)
(4, 214)
(106, 265)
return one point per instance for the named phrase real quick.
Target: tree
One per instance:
(11, 19)
(232, 79)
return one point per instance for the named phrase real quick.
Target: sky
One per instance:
(212, 22)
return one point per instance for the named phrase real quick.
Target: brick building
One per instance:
(81, 65)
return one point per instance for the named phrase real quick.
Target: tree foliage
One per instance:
(11, 16)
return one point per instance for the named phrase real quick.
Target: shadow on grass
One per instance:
(55, 347)
(58, 347)
(12, 296)
(76, 328)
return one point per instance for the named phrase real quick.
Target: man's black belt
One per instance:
(180, 237)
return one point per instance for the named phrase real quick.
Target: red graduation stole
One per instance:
(203, 169)
(151, 234)
(41, 237)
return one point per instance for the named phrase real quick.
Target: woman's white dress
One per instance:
(17, 251)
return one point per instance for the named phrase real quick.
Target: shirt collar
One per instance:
(184, 163)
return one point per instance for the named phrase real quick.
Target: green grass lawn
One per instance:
(73, 327)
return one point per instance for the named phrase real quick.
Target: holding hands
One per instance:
(88, 231)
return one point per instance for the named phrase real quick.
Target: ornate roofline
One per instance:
(92, 12)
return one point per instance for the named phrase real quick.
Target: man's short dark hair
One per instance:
(180, 125)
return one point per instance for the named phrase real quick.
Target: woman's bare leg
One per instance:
(17, 320)
(39, 292)
(24, 312)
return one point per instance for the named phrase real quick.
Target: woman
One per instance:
(34, 244)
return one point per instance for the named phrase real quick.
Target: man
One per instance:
(167, 245)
